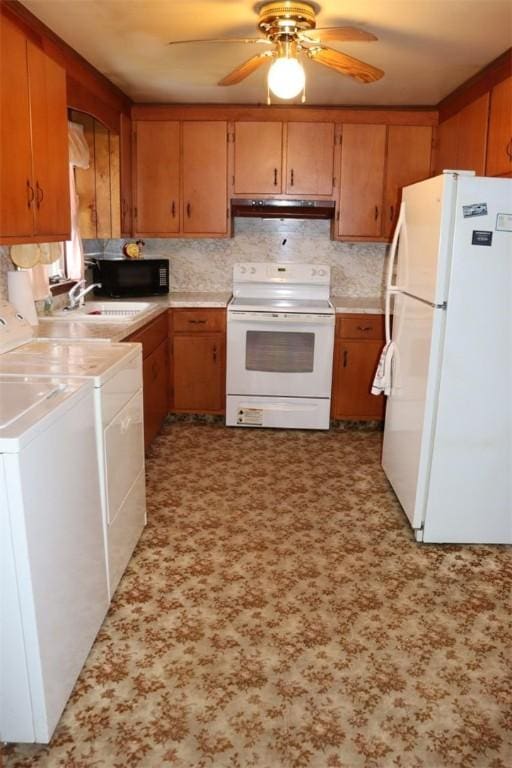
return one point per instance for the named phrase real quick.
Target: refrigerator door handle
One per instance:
(394, 247)
(390, 288)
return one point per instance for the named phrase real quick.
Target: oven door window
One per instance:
(279, 351)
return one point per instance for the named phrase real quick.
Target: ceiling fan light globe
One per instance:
(286, 78)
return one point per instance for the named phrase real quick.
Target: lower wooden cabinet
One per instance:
(198, 360)
(357, 347)
(155, 371)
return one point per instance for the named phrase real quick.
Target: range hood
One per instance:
(283, 209)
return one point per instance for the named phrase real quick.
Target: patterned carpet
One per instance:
(278, 614)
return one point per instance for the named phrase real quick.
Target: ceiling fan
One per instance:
(290, 33)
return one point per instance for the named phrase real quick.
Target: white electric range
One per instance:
(280, 338)
(116, 374)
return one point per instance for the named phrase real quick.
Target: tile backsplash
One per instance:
(357, 269)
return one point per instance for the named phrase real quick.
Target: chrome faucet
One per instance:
(78, 292)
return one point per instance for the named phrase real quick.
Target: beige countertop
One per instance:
(79, 330)
(368, 305)
(99, 330)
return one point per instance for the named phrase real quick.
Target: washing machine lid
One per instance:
(27, 402)
(95, 359)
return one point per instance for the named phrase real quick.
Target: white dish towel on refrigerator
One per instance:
(382, 379)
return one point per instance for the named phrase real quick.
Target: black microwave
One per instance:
(120, 278)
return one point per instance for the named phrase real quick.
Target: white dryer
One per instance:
(53, 581)
(116, 374)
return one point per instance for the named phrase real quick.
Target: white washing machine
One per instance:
(53, 580)
(116, 374)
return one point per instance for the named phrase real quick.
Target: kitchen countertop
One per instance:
(367, 305)
(104, 330)
(99, 330)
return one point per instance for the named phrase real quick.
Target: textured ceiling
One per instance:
(426, 48)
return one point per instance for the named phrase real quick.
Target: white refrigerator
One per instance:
(447, 448)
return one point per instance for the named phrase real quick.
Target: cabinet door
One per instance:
(125, 169)
(361, 180)
(199, 372)
(462, 139)
(355, 363)
(205, 167)
(49, 124)
(447, 139)
(309, 158)
(156, 395)
(408, 160)
(499, 148)
(16, 192)
(157, 153)
(472, 136)
(258, 158)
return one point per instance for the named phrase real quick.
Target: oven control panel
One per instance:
(282, 272)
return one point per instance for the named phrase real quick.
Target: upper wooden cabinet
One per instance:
(361, 180)
(34, 174)
(376, 162)
(258, 158)
(181, 178)
(409, 151)
(98, 186)
(277, 158)
(462, 138)
(157, 184)
(499, 150)
(310, 158)
(204, 170)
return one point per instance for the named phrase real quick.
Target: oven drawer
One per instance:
(360, 327)
(198, 320)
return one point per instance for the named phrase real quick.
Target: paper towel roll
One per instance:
(19, 289)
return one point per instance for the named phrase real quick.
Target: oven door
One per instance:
(279, 353)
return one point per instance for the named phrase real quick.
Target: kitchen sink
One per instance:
(106, 311)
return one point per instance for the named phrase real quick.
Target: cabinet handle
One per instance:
(189, 209)
(291, 178)
(94, 213)
(215, 354)
(275, 177)
(509, 149)
(364, 327)
(30, 194)
(173, 209)
(391, 212)
(197, 322)
(345, 358)
(135, 212)
(39, 195)
(376, 213)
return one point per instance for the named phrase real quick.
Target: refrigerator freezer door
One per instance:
(424, 249)
(470, 495)
(417, 334)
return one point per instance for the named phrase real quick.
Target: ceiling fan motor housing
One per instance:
(287, 18)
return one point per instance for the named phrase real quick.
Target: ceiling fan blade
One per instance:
(245, 69)
(345, 64)
(348, 34)
(260, 40)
